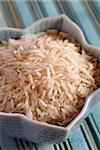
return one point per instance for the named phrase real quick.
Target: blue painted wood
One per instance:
(97, 7)
(7, 16)
(84, 21)
(91, 11)
(24, 12)
(77, 140)
(96, 116)
(88, 136)
(94, 130)
(45, 147)
(49, 8)
(35, 9)
(2, 20)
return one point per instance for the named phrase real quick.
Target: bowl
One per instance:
(20, 126)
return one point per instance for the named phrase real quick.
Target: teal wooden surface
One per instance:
(96, 116)
(23, 10)
(86, 24)
(22, 13)
(49, 8)
(2, 20)
(80, 144)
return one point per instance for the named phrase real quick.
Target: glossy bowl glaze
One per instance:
(20, 126)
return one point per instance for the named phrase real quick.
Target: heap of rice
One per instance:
(45, 76)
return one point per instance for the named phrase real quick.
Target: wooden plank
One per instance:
(88, 136)
(2, 20)
(14, 15)
(86, 24)
(45, 147)
(35, 9)
(7, 16)
(67, 145)
(93, 13)
(46, 8)
(57, 147)
(96, 116)
(94, 130)
(77, 140)
(64, 8)
(24, 12)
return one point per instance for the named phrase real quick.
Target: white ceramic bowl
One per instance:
(20, 126)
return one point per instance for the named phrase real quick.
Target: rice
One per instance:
(46, 76)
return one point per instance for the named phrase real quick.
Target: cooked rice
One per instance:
(46, 76)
